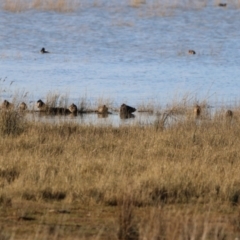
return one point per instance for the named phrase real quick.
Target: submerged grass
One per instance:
(179, 169)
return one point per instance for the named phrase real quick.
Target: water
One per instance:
(111, 50)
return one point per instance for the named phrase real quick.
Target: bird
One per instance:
(229, 114)
(23, 106)
(191, 52)
(41, 105)
(73, 108)
(222, 4)
(102, 109)
(126, 111)
(197, 111)
(44, 51)
(7, 105)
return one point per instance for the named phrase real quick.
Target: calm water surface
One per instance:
(127, 54)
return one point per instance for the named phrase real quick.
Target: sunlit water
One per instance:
(126, 54)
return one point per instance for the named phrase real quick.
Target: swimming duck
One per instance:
(191, 52)
(126, 111)
(44, 51)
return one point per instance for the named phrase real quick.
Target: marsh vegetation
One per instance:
(159, 181)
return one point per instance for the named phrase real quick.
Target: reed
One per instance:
(43, 5)
(11, 122)
(187, 164)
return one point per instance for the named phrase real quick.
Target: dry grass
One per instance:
(152, 8)
(44, 5)
(180, 170)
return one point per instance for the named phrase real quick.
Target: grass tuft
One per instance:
(128, 229)
(11, 123)
(9, 174)
(49, 194)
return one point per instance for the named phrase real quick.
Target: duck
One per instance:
(229, 114)
(7, 105)
(126, 111)
(52, 110)
(102, 109)
(23, 106)
(73, 108)
(222, 4)
(197, 110)
(191, 52)
(44, 51)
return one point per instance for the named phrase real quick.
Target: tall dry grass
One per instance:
(44, 5)
(155, 7)
(187, 162)
(181, 162)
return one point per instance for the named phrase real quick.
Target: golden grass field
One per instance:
(177, 178)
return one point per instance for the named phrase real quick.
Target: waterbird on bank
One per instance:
(6, 105)
(23, 106)
(73, 108)
(229, 114)
(43, 50)
(40, 104)
(56, 110)
(197, 110)
(191, 52)
(102, 109)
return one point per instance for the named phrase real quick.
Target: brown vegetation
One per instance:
(70, 179)
(46, 5)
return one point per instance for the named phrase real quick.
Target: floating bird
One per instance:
(44, 51)
(191, 52)
(126, 111)
(222, 4)
(55, 110)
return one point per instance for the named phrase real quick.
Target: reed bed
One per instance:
(175, 179)
(156, 7)
(43, 5)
